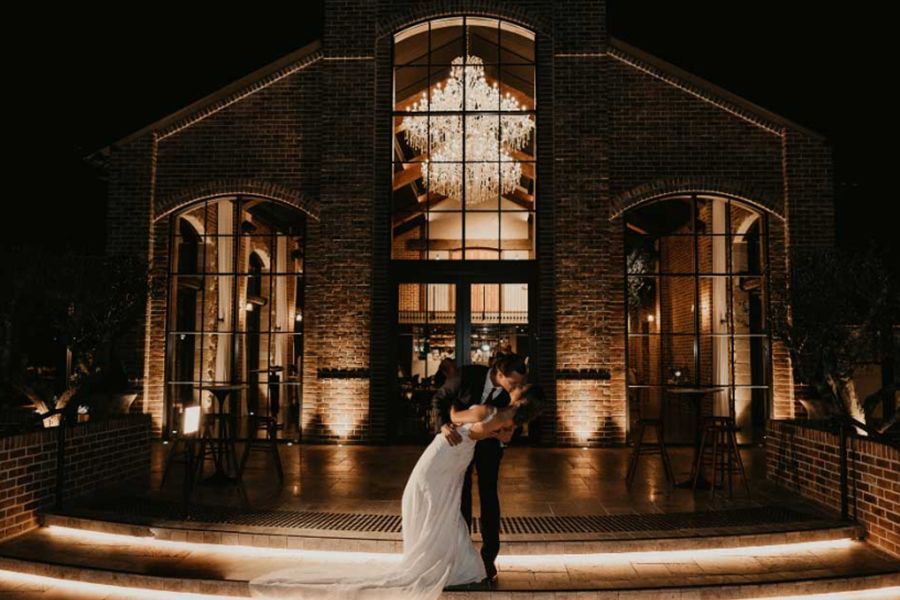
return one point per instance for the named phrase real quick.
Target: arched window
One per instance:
(696, 296)
(235, 308)
(464, 141)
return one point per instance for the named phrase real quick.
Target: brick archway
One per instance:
(235, 187)
(696, 185)
(476, 8)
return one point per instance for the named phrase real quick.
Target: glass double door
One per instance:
(442, 326)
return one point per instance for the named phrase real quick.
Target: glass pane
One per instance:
(666, 217)
(485, 303)
(410, 237)
(444, 235)
(413, 132)
(514, 303)
(751, 360)
(184, 357)
(677, 308)
(714, 309)
(425, 352)
(516, 45)
(444, 184)
(411, 88)
(749, 305)
(517, 233)
(483, 38)
(642, 256)
(703, 213)
(482, 235)
(676, 254)
(499, 321)
(408, 189)
(642, 301)
(715, 360)
(482, 136)
(712, 253)
(678, 359)
(644, 358)
(747, 255)
(517, 83)
(447, 40)
(412, 46)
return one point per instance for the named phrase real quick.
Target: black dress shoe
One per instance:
(491, 580)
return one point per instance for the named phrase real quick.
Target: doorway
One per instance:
(444, 324)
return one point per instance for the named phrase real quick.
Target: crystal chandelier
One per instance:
(490, 169)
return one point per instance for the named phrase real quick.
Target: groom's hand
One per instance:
(450, 432)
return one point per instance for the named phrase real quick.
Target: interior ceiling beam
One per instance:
(408, 175)
(424, 202)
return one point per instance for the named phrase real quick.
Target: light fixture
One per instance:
(191, 420)
(483, 140)
(298, 317)
(248, 307)
(650, 318)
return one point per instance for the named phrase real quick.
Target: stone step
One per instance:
(140, 562)
(804, 528)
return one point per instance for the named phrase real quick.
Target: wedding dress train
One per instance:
(437, 548)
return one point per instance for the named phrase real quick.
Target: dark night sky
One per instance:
(100, 76)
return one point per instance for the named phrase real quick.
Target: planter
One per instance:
(816, 409)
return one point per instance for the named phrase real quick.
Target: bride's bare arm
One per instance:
(473, 414)
(503, 419)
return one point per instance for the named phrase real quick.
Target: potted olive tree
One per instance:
(842, 305)
(61, 320)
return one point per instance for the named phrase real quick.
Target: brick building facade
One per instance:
(616, 130)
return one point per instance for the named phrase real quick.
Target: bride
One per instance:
(437, 547)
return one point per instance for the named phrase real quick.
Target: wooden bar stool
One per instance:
(719, 450)
(267, 444)
(266, 423)
(642, 448)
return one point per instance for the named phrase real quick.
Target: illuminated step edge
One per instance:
(137, 585)
(574, 543)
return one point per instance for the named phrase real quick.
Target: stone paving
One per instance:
(533, 481)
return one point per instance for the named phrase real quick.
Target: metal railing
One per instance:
(846, 425)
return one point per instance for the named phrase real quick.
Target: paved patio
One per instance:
(533, 481)
(659, 541)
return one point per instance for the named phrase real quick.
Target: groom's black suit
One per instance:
(461, 392)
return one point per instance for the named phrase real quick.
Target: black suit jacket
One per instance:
(462, 391)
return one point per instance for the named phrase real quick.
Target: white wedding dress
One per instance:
(437, 547)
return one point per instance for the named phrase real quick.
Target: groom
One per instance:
(478, 384)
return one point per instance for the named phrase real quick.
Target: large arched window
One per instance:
(464, 141)
(235, 306)
(696, 295)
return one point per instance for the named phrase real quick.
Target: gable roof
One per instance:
(247, 84)
(311, 52)
(677, 76)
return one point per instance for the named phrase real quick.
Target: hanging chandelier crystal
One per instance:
(484, 140)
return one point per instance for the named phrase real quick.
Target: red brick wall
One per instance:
(805, 460)
(99, 457)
